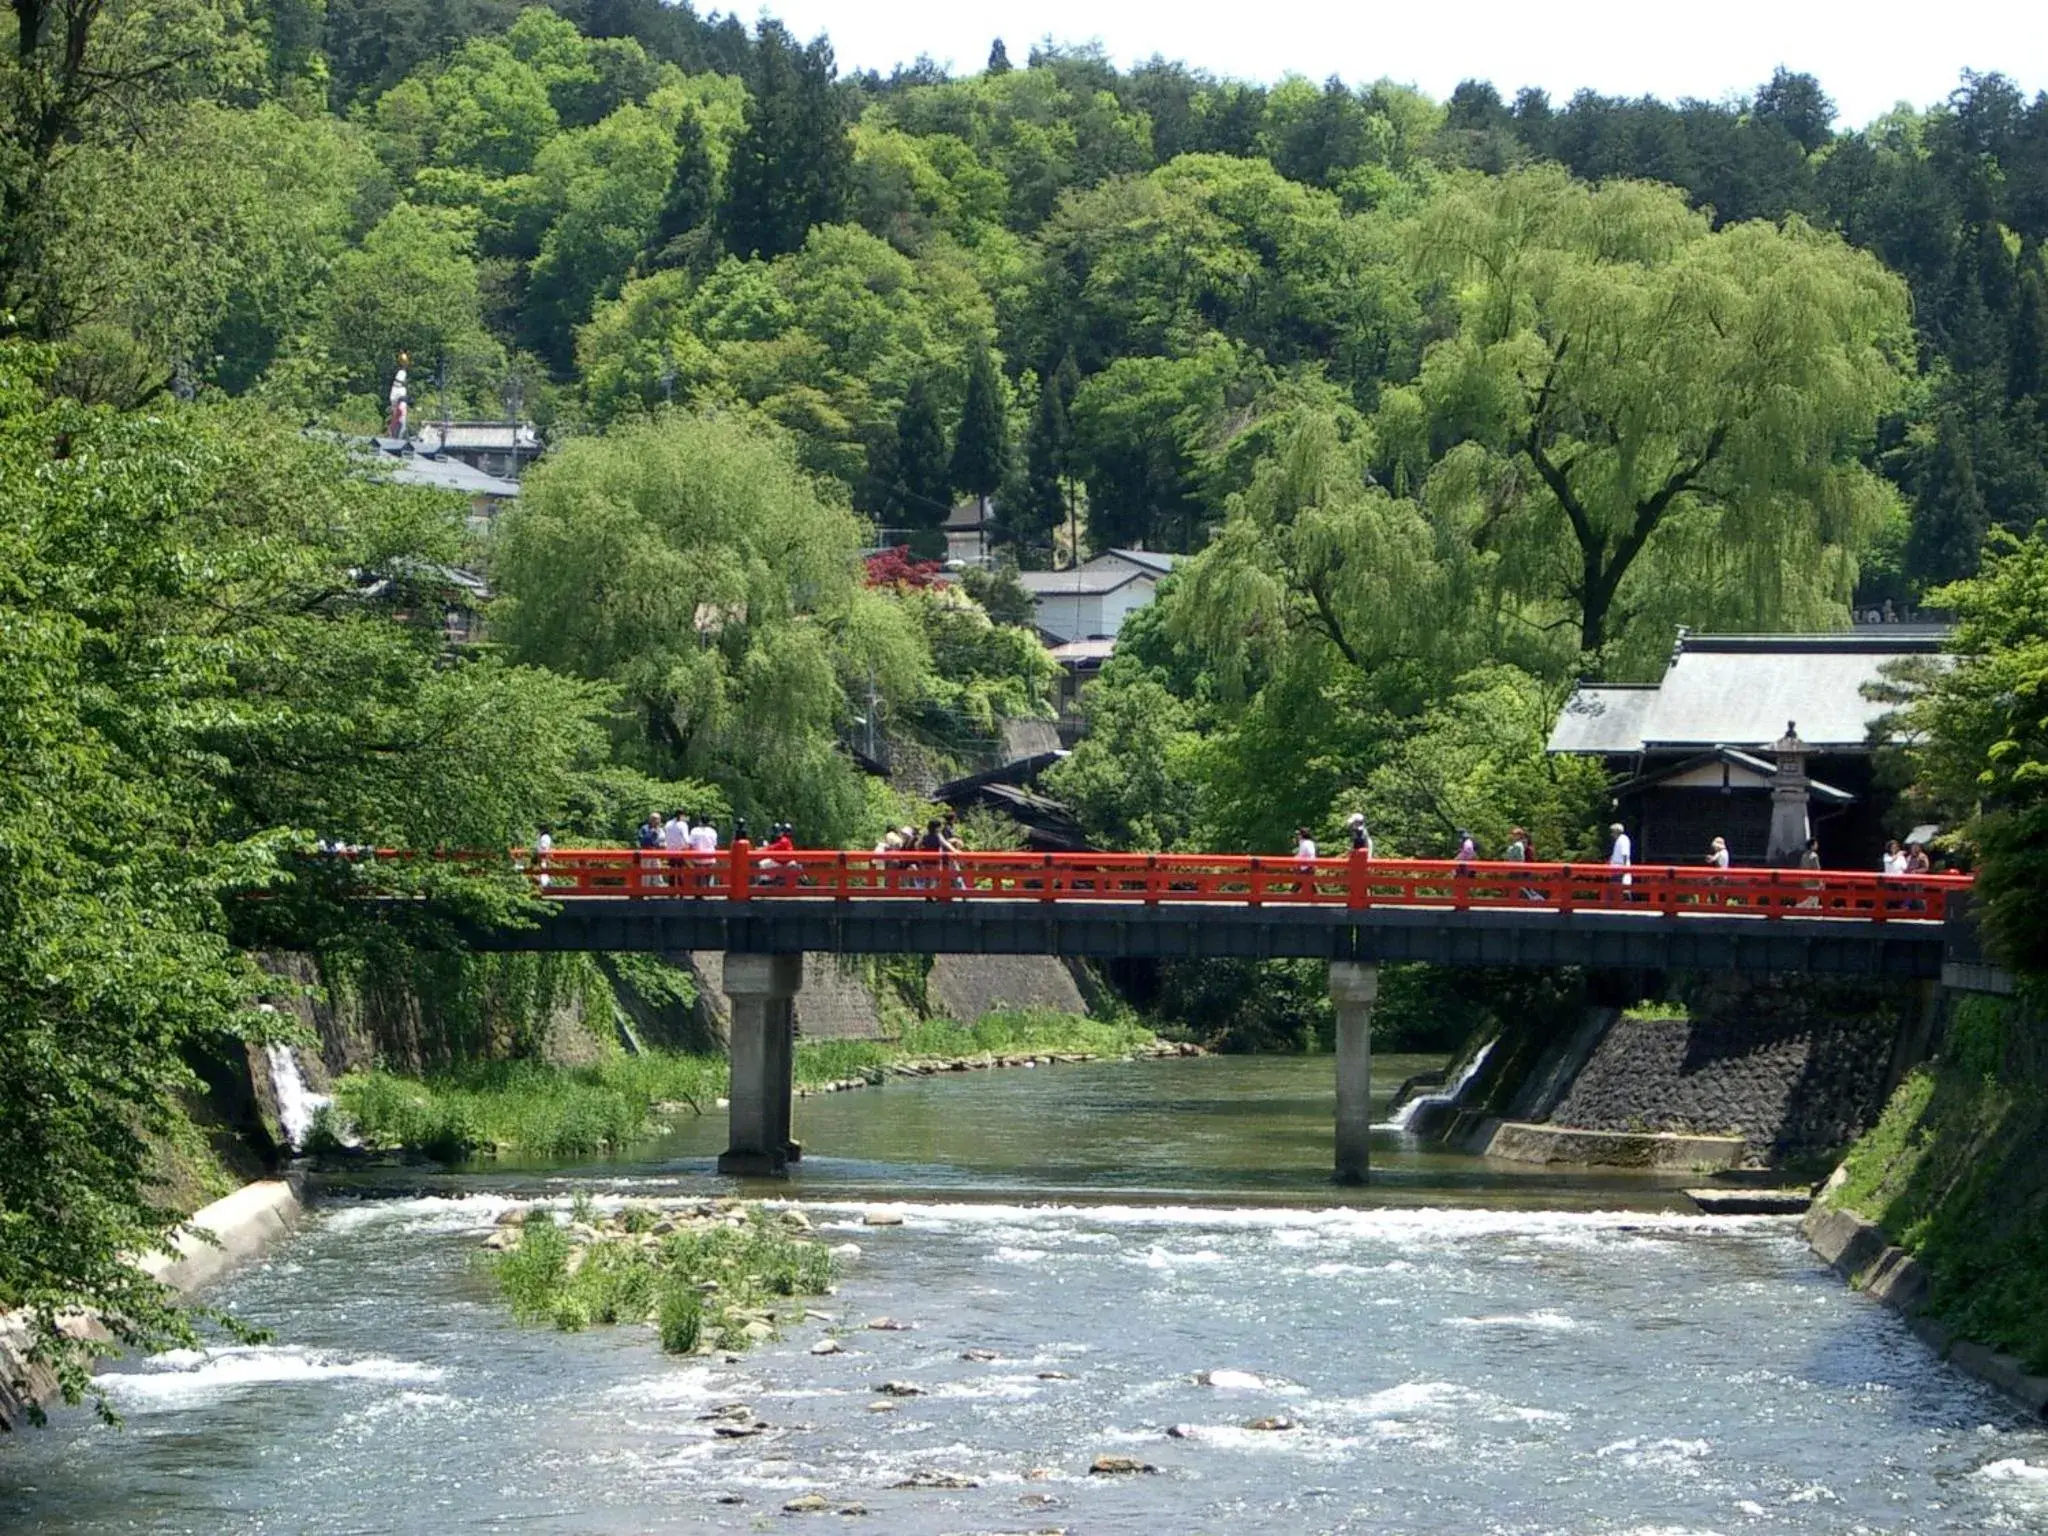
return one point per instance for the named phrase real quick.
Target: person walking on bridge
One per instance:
(703, 836)
(1361, 837)
(1621, 853)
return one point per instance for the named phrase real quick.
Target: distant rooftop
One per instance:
(477, 437)
(1146, 559)
(1740, 690)
(1079, 653)
(1079, 580)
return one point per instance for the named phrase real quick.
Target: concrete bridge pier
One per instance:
(762, 990)
(1354, 989)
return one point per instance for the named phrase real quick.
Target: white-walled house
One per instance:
(1090, 601)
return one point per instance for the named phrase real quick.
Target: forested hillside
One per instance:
(591, 210)
(1449, 402)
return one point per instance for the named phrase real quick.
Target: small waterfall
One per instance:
(296, 1105)
(1446, 1095)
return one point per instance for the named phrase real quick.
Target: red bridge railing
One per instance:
(741, 873)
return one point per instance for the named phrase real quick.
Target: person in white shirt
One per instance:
(1717, 853)
(1304, 845)
(543, 847)
(1622, 854)
(704, 836)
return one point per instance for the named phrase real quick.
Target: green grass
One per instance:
(699, 1286)
(525, 1106)
(1956, 1173)
(547, 1111)
(1005, 1032)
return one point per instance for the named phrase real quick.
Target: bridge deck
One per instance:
(1138, 905)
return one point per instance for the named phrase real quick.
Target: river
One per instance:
(1461, 1349)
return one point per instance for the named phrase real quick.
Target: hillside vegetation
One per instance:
(1449, 402)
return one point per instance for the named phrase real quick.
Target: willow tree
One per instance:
(1650, 421)
(691, 562)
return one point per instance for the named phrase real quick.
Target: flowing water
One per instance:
(1152, 1256)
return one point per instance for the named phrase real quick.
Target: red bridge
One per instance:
(765, 909)
(1356, 883)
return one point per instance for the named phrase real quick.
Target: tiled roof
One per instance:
(1740, 691)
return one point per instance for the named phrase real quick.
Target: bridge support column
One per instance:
(762, 990)
(1354, 989)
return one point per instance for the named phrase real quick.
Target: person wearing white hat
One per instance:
(1361, 838)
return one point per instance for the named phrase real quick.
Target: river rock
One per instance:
(884, 1407)
(516, 1217)
(758, 1330)
(502, 1239)
(880, 1218)
(938, 1480)
(1275, 1421)
(729, 1411)
(827, 1347)
(737, 1431)
(979, 1355)
(1054, 1376)
(853, 1509)
(1230, 1381)
(900, 1389)
(797, 1219)
(1038, 1500)
(887, 1325)
(845, 1250)
(1117, 1466)
(1180, 1432)
(807, 1504)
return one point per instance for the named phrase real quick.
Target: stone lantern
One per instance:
(1790, 826)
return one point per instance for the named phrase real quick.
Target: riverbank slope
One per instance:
(1955, 1176)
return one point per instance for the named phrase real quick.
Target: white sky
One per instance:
(1867, 56)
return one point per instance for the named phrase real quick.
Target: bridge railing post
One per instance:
(739, 869)
(1358, 883)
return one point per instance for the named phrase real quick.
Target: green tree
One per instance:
(1657, 422)
(412, 286)
(1139, 428)
(921, 494)
(204, 672)
(981, 443)
(791, 166)
(692, 563)
(1981, 733)
(1046, 503)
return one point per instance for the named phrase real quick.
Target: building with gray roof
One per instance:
(1691, 753)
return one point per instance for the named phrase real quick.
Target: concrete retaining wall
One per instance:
(834, 1004)
(1859, 1251)
(964, 987)
(242, 1225)
(1521, 1143)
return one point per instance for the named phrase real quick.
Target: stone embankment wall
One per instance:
(1796, 1070)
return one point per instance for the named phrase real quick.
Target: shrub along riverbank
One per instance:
(548, 1111)
(1956, 1173)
